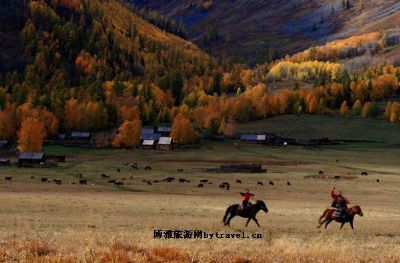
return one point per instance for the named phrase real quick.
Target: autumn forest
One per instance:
(107, 66)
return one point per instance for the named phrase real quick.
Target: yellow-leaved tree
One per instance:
(31, 135)
(128, 134)
(182, 130)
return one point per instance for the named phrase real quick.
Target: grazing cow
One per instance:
(260, 183)
(271, 183)
(364, 173)
(228, 186)
(238, 181)
(203, 181)
(147, 168)
(200, 185)
(182, 180)
(118, 170)
(32, 177)
(156, 181)
(337, 177)
(83, 182)
(179, 170)
(222, 186)
(321, 173)
(168, 179)
(288, 183)
(43, 179)
(57, 181)
(8, 178)
(378, 181)
(149, 183)
(104, 176)
(118, 183)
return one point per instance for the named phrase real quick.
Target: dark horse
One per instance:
(327, 217)
(250, 213)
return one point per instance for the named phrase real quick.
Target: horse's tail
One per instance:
(226, 215)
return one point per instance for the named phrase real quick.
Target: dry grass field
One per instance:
(45, 222)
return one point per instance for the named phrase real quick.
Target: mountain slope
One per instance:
(255, 30)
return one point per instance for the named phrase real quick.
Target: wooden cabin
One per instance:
(149, 144)
(165, 143)
(32, 159)
(78, 139)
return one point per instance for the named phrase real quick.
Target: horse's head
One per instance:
(357, 210)
(262, 205)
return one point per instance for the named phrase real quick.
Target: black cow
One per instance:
(57, 181)
(118, 183)
(168, 179)
(83, 182)
(271, 183)
(200, 185)
(260, 183)
(364, 173)
(238, 181)
(8, 178)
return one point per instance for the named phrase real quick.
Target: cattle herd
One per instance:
(120, 181)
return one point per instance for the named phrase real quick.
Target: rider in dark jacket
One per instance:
(339, 202)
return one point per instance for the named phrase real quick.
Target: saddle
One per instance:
(245, 209)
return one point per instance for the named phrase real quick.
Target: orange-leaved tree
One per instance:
(128, 134)
(182, 130)
(344, 109)
(31, 135)
(7, 124)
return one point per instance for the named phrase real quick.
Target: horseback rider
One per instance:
(340, 203)
(246, 199)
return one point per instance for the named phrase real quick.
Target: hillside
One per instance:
(262, 30)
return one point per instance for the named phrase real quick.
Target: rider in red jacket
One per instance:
(339, 201)
(246, 198)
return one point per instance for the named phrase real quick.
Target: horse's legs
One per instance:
(248, 220)
(255, 220)
(321, 222)
(327, 223)
(351, 224)
(229, 220)
(341, 226)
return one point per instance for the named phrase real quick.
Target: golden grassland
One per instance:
(45, 222)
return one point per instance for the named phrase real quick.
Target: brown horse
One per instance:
(327, 216)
